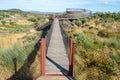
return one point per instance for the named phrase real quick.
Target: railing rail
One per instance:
(44, 47)
(66, 39)
(70, 48)
(48, 36)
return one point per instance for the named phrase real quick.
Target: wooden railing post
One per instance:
(72, 51)
(43, 56)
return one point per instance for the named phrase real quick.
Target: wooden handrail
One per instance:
(72, 51)
(43, 56)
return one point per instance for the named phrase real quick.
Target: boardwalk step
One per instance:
(55, 78)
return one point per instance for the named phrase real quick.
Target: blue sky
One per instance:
(61, 5)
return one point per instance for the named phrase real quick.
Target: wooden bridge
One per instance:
(55, 62)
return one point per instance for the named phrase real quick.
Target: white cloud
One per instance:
(106, 1)
(109, 1)
(57, 2)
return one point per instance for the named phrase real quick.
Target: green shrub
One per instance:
(32, 19)
(83, 40)
(13, 23)
(1, 18)
(115, 44)
(78, 22)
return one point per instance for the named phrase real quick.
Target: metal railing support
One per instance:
(72, 51)
(43, 56)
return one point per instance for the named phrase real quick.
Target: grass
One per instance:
(96, 64)
(17, 54)
(14, 29)
(97, 48)
(8, 40)
(17, 41)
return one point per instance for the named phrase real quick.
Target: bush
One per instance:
(95, 74)
(32, 19)
(87, 25)
(83, 40)
(13, 23)
(83, 21)
(78, 22)
(97, 22)
(104, 33)
(102, 61)
(3, 22)
(1, 18)
(114, 44)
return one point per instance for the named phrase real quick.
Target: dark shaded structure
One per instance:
(75, 13)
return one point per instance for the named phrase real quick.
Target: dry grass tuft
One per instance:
(7, 40)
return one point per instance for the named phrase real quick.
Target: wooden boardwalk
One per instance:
(56, 59)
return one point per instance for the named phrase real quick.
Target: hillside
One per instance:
(15, 21)
(97, 46)
(18, 40)
(16, 17)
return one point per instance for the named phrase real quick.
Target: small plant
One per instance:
(83, 21)
(103, 33)
(3, 22)
(87, 25)
(78, 22)
(12, 23)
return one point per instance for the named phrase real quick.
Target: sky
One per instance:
(61, 5)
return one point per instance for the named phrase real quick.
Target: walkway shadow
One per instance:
(63, 70)
(24, 72)
(15, 64)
